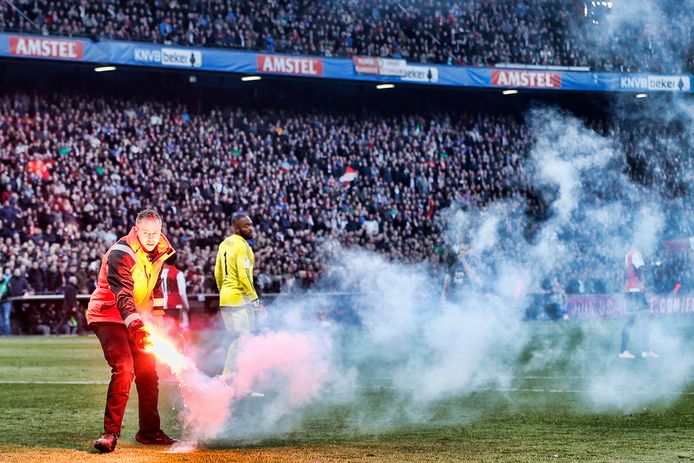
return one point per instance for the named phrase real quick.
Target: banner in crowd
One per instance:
(613, 305)
(359, 68)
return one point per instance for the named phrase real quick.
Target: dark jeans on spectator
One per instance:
(5, 311)
(127, 361)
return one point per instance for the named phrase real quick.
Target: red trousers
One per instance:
(128, 362)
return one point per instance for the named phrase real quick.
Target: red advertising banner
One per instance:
(46, 48)
(290, 65)
(366, 65)
(529, 79)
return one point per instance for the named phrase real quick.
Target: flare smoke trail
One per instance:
(422, 350)
(425, 351)
(295, 364)
(207, 400)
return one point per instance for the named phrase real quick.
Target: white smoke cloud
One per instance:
(641, 35)
(423, 350)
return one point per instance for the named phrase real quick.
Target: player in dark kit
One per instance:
(459, 274)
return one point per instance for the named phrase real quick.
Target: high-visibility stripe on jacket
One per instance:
(233, 272)
(128, 283)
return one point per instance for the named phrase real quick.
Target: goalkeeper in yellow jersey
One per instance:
(238, 300)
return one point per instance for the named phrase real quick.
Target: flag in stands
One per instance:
(349, 175)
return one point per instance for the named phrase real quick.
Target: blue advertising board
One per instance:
(367, 69)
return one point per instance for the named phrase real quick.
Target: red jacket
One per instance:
(129, 283)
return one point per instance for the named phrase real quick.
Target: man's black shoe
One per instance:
(154, 438)
(106, 443)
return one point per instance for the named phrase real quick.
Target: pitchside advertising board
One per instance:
(526, 79)
(290, 65)
(358, 68)
(176, 57)
(614, 305)
(368, 66)
(655, 83)
(46, 48)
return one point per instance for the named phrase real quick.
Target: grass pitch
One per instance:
(52, 392)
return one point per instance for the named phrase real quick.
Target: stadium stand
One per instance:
(70, 184)
(282, 167)
(475, 33)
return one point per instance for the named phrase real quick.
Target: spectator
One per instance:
(91, 282)
(37, 278)
(18, 285)
(72, 320)
(5, 304)
(40, 319)
(54, 280)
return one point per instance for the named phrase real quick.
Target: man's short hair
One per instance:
(147, 214)
(236, 217)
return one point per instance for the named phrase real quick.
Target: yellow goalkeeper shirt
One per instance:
(233, 271)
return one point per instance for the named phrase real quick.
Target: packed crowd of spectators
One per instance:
(76, 169)
(454, 32)
(71, 184)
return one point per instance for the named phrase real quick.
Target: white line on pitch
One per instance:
(390, 378)
(580, 391)
(53, 382)
(502, 389)
(165, 382)
(537, 390)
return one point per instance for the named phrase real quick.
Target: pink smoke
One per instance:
(207, 404)
(207, 401)
(301, 359)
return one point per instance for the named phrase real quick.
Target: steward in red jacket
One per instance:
(129, 286)
(128, 292)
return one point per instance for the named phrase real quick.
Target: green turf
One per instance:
(524, 425)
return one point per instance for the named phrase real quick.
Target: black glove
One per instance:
(139, 334)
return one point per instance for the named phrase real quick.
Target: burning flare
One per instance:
(298, 358)
(165, 350)
(207, 400)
